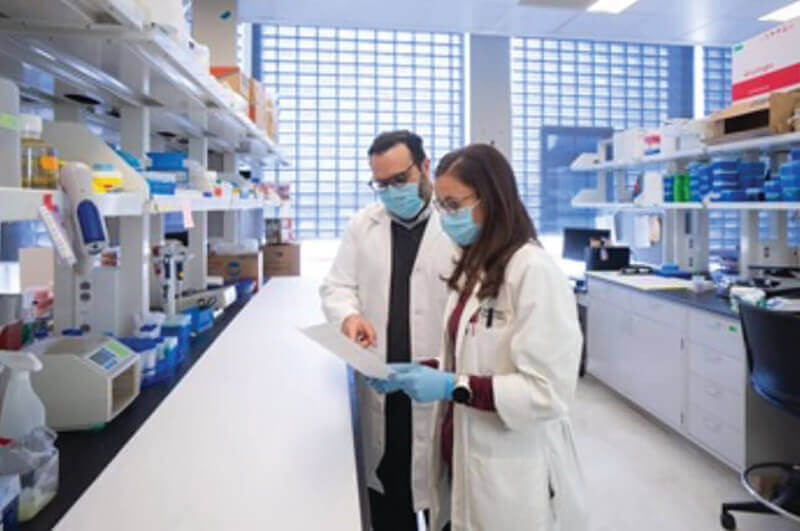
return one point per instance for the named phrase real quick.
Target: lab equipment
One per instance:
(669, 189)
(607, 258)
(244, 186)
(34, 460)
(21, 410)
(169, 260)
(89, 224)
(39, 159)
(86, 381)
(105, 178)
(10, 155)
(218, 299)
(170, 162)
(576, 240)
(422, 383)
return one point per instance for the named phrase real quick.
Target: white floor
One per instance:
(640, 475)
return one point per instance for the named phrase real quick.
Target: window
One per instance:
(337, 89)
(586, 86)
(724, 225)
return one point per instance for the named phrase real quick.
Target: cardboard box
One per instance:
(282, 260)
(233, 77)
(749, 119)
(233, 267)
(767, 62)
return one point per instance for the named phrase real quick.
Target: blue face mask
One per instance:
(460, 226)
(403, 201)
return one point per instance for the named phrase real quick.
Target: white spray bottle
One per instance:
(21, 410)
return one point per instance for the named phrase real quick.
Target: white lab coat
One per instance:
(359, 282)
(505, 463)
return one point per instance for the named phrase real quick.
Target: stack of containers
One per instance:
(790, 178)
(669, 189)
(699, 181)
(753, 176)
(726, 184)
(171, 163)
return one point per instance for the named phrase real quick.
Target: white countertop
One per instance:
(258, 435)
(642, 282)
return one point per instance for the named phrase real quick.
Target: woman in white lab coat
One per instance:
(507, 371)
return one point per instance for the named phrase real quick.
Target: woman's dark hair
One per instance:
(386, 141)
(506, 226)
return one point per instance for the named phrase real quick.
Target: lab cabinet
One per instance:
(685, 367)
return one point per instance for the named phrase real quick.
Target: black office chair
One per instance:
(772, 340)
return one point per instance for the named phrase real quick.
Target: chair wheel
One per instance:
(727, 521)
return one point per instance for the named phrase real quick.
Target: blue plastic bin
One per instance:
(795, 154)
(245, 287)
(166, 160)
(202, 318)
(752, 181)
(773, 196)
(752, 168)
(754, 194)
(724, 164)
(791, 194)
(773, 186)
(733, 195)
(180, 327)
(161, 187)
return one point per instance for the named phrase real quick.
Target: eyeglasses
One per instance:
(397, 179)
(451, 205)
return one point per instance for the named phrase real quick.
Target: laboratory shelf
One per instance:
(84, 454)
(57, 59)
(762, 144)
(22, 204)
(176, 203)
(630, 207)
(753, 205)
(127, 13)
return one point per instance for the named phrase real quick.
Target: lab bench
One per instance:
(256, 433)
(84, 454)
(680, 357)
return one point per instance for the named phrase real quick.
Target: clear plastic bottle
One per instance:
(39, 159)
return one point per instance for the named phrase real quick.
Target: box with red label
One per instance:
(652, 142)
(768, 62)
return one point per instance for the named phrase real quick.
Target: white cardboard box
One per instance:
(629, 144)
(768, 62)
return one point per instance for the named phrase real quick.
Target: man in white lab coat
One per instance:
(385, 289)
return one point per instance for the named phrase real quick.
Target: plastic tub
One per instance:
(795, 154)
(773, 185)
(724, 164)
(790, 181)
(179, 327)
(752, 181)
(791, 194)
(166, 160)
(754, 194)
(147, 349)
(202, 318)
(790, 168)
(729, 195)
(752, 168)
(247, 287)
(773, 196)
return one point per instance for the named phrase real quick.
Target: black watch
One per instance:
(462, 394)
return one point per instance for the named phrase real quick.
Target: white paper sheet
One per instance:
(365, 361)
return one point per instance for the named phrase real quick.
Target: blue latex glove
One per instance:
(422, 383)
(384, 387)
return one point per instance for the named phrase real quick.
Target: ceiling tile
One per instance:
(602, 26)
(526, 21)
(727, 31)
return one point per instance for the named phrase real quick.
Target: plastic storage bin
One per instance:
(791, 194)
(166, 160)
(202, 318)
(724, 164)
(245, 287)
(795, 154)
(732, 195)
(161, 182)
(179, 327)
(147, 349)
(752, 168)
(754, 194)
(773, 196)
(752, 181)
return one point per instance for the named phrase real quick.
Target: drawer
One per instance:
(659, 310)
(608, 292)
(717, 436)
(720, 333)
(717, 400)
(720, 368)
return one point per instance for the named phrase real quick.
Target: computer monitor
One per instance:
(576, 240)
